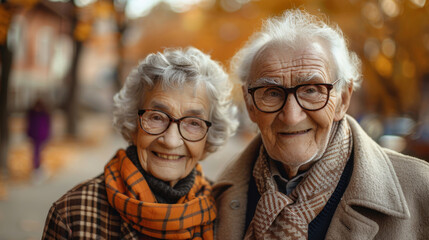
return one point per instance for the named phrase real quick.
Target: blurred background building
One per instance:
(75, 54)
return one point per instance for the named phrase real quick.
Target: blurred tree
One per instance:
(7, 9)
(121, 26)
(390, 36)
(81, 30)
(6, 61)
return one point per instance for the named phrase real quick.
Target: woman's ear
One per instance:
(344, 103)
(134, 135)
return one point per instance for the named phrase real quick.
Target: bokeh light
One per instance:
(388, 47)
(390, 7)
(372, 13)
(419, 3)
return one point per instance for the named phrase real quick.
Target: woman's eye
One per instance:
(195, 123)
(156, 117)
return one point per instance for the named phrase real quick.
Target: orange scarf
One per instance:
(128, 192)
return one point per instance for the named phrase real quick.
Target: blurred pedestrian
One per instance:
(38, 130)
(174, 109)
(313, 173)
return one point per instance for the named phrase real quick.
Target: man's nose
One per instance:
(291, 113)
(171, 138)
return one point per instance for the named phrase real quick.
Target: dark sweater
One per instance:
(317, 228)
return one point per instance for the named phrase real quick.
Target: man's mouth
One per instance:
(167, 156)
(290, 133)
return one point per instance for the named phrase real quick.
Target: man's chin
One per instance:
(298, 159)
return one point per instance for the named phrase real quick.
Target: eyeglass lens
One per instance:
(190, 128)
(311, 97)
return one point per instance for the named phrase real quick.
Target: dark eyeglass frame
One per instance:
(287, 91)
(175, 120)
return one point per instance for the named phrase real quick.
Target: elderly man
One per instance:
(313, 173)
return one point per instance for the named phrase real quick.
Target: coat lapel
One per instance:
(373, 186)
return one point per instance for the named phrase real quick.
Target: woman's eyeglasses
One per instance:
(156, 122)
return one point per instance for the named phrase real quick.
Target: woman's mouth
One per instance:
(167, 156)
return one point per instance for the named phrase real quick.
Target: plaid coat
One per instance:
(85, 213)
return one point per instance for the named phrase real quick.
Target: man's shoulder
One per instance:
(241, 165)
(409, 167)
(413, 176)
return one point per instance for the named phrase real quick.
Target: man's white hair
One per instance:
(292, 29)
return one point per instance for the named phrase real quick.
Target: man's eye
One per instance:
(273, 92)
(310, 89)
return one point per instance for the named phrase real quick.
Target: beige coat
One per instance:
(387, 197)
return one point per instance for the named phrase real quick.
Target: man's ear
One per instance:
(248, 102)
(344, 103)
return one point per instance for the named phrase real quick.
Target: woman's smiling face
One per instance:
(168, 156)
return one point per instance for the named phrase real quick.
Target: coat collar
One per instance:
(127, 232)
(230, 192)
(373, 186)
(374, 183)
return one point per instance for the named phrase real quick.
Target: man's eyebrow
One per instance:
(308, 78)
(265, 81)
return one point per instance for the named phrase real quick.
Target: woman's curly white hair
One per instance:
(173, 68)
(296, 27)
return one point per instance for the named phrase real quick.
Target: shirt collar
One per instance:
(279, 177)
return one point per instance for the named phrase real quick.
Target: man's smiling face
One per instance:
(293, 136)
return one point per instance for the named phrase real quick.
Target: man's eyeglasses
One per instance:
(311, 97)
(155, 122)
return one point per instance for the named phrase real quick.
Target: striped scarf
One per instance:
(129, 193)
(279, 216)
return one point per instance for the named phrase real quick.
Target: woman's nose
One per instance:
(171, 138)
(291, 113)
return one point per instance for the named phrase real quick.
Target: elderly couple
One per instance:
(311, 173)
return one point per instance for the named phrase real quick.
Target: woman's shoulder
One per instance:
(91, 192)
(83, 210)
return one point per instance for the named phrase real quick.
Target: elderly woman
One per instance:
(313, 173)
(173, 109)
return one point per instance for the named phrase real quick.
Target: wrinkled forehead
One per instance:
(291, 65)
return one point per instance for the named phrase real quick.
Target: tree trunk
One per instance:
(6, 63)
(72, 84)
(71, 104)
